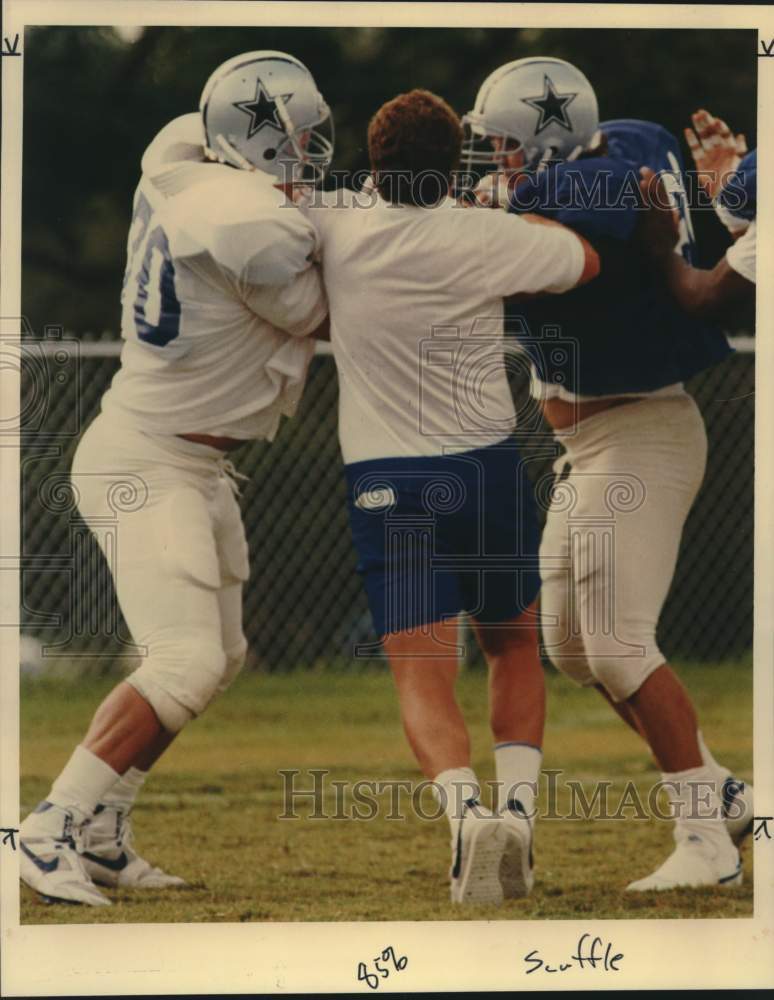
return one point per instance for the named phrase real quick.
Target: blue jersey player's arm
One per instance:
(698, 291)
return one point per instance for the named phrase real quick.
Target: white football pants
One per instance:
(177, 551)
(612, 536)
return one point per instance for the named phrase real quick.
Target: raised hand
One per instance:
(716, 150)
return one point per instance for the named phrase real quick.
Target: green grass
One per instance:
(210, 810)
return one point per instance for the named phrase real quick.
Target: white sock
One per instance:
(125, 790)
(695, 805)
(452, 789)
(82, 783)
(720, 773)
(518, 771)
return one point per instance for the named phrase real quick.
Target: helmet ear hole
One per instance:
(269, 154)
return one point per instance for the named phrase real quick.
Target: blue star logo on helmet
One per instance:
(552, 106)
(262, 110)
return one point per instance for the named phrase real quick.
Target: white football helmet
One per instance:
(544, 107)
(263, 111)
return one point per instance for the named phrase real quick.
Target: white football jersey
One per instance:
(741, 256)
(417, 318)
(219, 293)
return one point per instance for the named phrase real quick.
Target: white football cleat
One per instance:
(737, 798)
(49, 862)
(517, 867)
(696, 861)
(476, 856)
(108, 854)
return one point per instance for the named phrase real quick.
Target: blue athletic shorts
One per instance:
(446, 533)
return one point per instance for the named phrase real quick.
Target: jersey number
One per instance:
(150, 277)
(673, 183)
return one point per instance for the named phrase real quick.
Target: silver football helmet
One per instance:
(544, 107)
(263, 111)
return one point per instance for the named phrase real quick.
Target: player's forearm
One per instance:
(591, 265)
(701, 292)
(690, 286)
(590, 256)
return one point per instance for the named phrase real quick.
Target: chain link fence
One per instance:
(304, 605)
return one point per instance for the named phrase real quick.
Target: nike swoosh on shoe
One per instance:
(113, 864)
(731, 788)
(45, 866)
(468, 804)
(729, 878)
(458, 854)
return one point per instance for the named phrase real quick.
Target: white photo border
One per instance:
(322, 957)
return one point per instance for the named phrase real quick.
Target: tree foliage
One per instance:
(93, 101)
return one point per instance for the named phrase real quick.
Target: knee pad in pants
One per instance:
(235, 660)
(180, 681)
(623, 674)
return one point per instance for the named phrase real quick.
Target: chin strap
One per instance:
(234, 154)
(546, 157)
(593, 143)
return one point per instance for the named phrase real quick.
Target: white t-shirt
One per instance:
(416, 306)
(219, 293)
(741, 255)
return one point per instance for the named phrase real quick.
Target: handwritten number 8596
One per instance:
(382, 971)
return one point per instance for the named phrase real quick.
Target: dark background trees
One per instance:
(94, 98)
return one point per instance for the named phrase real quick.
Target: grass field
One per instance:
(210, 810)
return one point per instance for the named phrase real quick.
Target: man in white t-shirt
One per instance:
(219, 301)
(440, 504)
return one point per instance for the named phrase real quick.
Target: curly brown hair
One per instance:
(414, 144)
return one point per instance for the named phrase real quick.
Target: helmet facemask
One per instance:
(306, 152)
(478, 147)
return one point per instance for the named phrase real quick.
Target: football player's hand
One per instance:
(301, 194)
(716, 150)
(491, 192)
(659, 225)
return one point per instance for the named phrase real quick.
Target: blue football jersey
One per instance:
(628, 333)
(740, 193)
